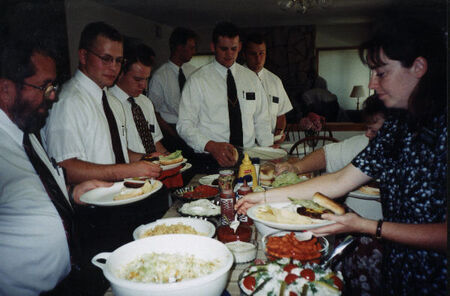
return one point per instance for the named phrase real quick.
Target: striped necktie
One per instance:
(142, 127)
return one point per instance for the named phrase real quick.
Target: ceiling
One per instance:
(199, 14)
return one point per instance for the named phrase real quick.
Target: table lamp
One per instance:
(357, 92)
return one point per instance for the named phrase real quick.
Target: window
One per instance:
(342, 69)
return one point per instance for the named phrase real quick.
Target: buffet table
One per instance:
(236, 269)
(232, 286)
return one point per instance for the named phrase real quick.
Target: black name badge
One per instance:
(250, 96)
(152, 128)
(275, 100)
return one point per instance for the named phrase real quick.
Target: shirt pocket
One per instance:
(274, 105)
(248, 102)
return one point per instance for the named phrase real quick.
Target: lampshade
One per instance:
(358, 92)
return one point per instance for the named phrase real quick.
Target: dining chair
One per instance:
(294, 133)
(309, 144)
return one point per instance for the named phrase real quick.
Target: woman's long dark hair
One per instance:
(404, 40)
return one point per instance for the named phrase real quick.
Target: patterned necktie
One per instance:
(56, 196)
(234, 112)
(142, 127)
(113, 130)
(181, 79)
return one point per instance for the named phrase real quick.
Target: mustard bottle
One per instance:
(247, 168)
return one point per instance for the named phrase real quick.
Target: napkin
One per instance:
(172, 178)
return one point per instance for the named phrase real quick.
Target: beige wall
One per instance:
(81, 12)
(341, 35)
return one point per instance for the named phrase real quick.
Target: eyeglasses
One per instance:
(47, 89)
(107, 59)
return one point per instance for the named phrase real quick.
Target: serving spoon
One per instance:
(235, 224)
(338, 250)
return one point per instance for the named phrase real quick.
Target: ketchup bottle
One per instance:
(227, 201)
(242, 191)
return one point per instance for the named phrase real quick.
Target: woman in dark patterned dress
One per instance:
(409, 157)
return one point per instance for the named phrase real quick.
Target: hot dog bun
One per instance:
(326, 202)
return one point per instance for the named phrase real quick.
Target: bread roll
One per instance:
(266, 176)
(326, 202)
(235, 154)
(171, 161)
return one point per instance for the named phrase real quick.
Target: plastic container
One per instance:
(247, 168)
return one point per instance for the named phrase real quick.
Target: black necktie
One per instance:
(234, 112)
(181, 79)
(55, 194)
(142, 127)
(115, 138)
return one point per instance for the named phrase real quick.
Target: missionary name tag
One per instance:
(152, 128)
(250, 96)
(275, 100)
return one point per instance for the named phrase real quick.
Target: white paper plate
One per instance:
(186, 167)
(207, 180)
(362, 195)
(198, 224)
(265, 153)
(293, 227)
(104, 196)
(171, 166)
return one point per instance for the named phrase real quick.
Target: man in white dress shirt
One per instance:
(277, 98)
(166, 85)
(81, 133)
(34, 248)
(215, 89)
(129, 87)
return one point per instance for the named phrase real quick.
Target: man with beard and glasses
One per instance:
(37, 241)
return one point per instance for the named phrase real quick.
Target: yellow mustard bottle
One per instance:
(247, 168)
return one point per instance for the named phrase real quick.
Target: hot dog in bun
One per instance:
(320, 204)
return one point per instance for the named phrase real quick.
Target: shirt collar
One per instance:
(119, 93)
(223, 70)
(174, 67)
(10, 128)
(260, 73)
(90, 86)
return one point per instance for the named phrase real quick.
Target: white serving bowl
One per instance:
(199, 225)
(201, 247)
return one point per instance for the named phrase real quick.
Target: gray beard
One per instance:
(28, 120)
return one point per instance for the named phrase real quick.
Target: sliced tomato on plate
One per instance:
(249, 283)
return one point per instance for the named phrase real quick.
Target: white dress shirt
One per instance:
(33, 246)
(277, 98)
(133, 137)
(338, 155)
(164, 90)
(203, 109)
(77, 126)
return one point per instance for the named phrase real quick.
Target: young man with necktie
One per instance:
(223, 105)
(277, 98)
(143, 132)
(167, 83)
(38, 244)
(83, 133)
